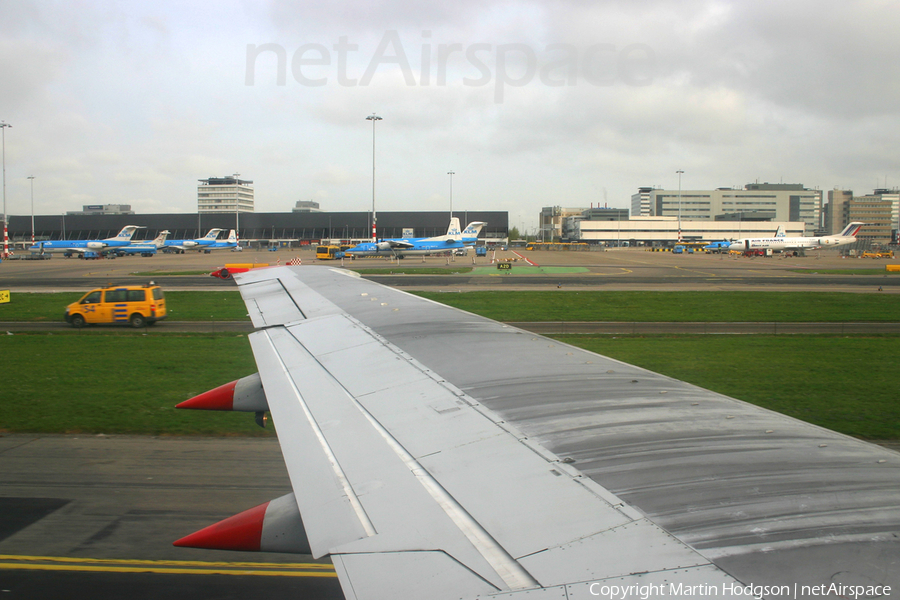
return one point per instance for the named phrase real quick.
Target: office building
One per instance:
(225, 195)
(783, 202)
(880, 211)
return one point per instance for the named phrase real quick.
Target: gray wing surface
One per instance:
(436, 454)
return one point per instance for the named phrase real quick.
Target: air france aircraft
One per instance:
(847, 236)
(123, 238)
(179, 246)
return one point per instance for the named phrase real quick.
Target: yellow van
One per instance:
(132, 304)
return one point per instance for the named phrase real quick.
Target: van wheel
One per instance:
(137, 320)
(77, 321)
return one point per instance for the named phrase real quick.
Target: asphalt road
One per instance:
(95, 517)
(618, 269)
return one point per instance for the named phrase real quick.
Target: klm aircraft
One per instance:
(469, 235)
(453, 240)
(123, 238)
(230, 243)
(410, 246)
(179, 246)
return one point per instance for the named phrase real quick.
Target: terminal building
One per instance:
(781, 202)
(663, 231)
(286, 227)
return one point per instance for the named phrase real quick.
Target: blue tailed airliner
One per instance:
(123, 238)
(179, 246)
(453, 240)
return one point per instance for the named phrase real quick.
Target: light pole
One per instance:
(31, 177)
(237, 209)
(680, 173)
(373, 117)
(3, 126)
(451, 174)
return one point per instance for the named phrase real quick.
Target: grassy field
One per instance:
(813, 307)
(114, 383)
(868, 272)
(181, 306)
(398, 270)
(832, 307)
(117, 382)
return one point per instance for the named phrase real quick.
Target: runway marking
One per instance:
(169, 567)
(695, 271)
(533, 264)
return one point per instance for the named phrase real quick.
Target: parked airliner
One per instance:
(123, 238)
(847, 236)
(179, 246)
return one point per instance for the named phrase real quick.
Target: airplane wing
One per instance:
(436, 454)
(400, 244)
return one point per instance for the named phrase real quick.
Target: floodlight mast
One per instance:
(680, 173)
(451, 174)
(373, 117)
(31, 177)
(3, 126)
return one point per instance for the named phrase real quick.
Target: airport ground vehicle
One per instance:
(132, 304)
(482, 250)
(133, 250)
(327, 252)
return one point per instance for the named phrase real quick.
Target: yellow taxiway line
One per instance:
(178, 567)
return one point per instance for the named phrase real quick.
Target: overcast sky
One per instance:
(550, 102)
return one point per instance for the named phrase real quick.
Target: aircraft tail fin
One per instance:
(126, 234)
(851, 230)
(780, 231)
(212, 234)
(160, 240)
(453, 229)
(472, 230)
(232, 237)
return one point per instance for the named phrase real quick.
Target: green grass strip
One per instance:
(181, 306)
(731, 307)
(412, 270)
(867, 272)
(121, 383)
(529, 270)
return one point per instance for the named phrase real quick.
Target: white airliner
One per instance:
(847, 236)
